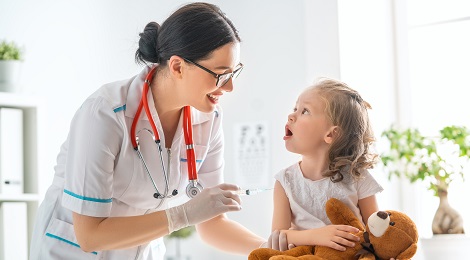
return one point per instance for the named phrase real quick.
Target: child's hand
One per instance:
(334, 236)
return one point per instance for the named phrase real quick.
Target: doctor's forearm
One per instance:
(98, 234)
(228, 235)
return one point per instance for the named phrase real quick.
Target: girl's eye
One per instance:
(305, 112)
(295, 109)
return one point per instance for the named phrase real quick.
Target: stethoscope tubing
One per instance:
(193, 187)
(150, 176)
(143, 101)
(190, 154)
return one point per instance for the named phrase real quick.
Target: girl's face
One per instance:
(201, 90)
(308, 129)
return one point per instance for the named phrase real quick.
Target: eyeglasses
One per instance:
(222, 79)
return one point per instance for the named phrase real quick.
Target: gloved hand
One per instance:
(208, 204)
(278, 241)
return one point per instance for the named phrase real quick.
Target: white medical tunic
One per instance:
(98, 173)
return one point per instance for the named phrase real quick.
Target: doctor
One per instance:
(114, 195)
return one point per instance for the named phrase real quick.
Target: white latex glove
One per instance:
(208, 204)
(278, 241)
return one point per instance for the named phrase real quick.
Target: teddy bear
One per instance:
(388, 234)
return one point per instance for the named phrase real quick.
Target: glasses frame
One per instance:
(233, 74)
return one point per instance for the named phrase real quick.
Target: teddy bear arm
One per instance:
(261, 254)
(268, 253)
(408, 253)
(339, 213)
(304, 257)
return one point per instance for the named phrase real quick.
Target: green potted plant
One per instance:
(435, 161)
(10, 64)
(177, 236)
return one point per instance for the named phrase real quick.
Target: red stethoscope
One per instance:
(194, 187)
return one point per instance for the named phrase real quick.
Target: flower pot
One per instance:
(445, 246)
(10, 75)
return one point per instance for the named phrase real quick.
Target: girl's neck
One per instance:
(313, 167)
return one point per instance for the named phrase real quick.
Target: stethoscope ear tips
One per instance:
(174, 193)
(157, 195)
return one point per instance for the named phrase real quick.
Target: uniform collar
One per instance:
(135, 94)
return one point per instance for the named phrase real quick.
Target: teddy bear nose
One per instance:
(382, 214)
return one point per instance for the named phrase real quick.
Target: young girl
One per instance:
(330, 129)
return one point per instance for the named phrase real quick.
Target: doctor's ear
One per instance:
(175, 66)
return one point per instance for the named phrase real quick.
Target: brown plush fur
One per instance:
(399, 241)
(295, 253)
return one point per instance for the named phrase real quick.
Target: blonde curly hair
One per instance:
(350, 150)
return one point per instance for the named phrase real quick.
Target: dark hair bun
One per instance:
(193, 31)
(148, 49)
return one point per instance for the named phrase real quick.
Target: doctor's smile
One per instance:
(214, 98)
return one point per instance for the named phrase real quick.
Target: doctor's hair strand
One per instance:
(193, 31)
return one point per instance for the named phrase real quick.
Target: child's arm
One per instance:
(367, 206)
(282, 214)
(281, 219)
(334, 236)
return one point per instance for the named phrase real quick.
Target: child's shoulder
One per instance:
(290, 170)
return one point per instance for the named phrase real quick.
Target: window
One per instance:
(411, 60)
(439, 78)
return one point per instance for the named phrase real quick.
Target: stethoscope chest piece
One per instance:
(193, 189)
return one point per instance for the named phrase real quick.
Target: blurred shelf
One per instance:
(33, 132)
(8, 99)
(26, 197)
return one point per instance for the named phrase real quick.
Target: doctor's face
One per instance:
(201, 89)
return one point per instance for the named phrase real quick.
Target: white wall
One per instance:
(368, 64)
(73, 47)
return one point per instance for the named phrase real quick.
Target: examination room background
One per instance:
(74, 47)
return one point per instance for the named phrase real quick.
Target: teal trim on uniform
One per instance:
(216, 113)
(121, 108)
(66, 241)
(185, 160)
(87, 198)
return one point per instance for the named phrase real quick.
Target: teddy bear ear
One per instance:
(408, 253)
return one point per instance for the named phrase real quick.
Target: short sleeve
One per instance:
(94, 141)
(367, 186)
(281, 177)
